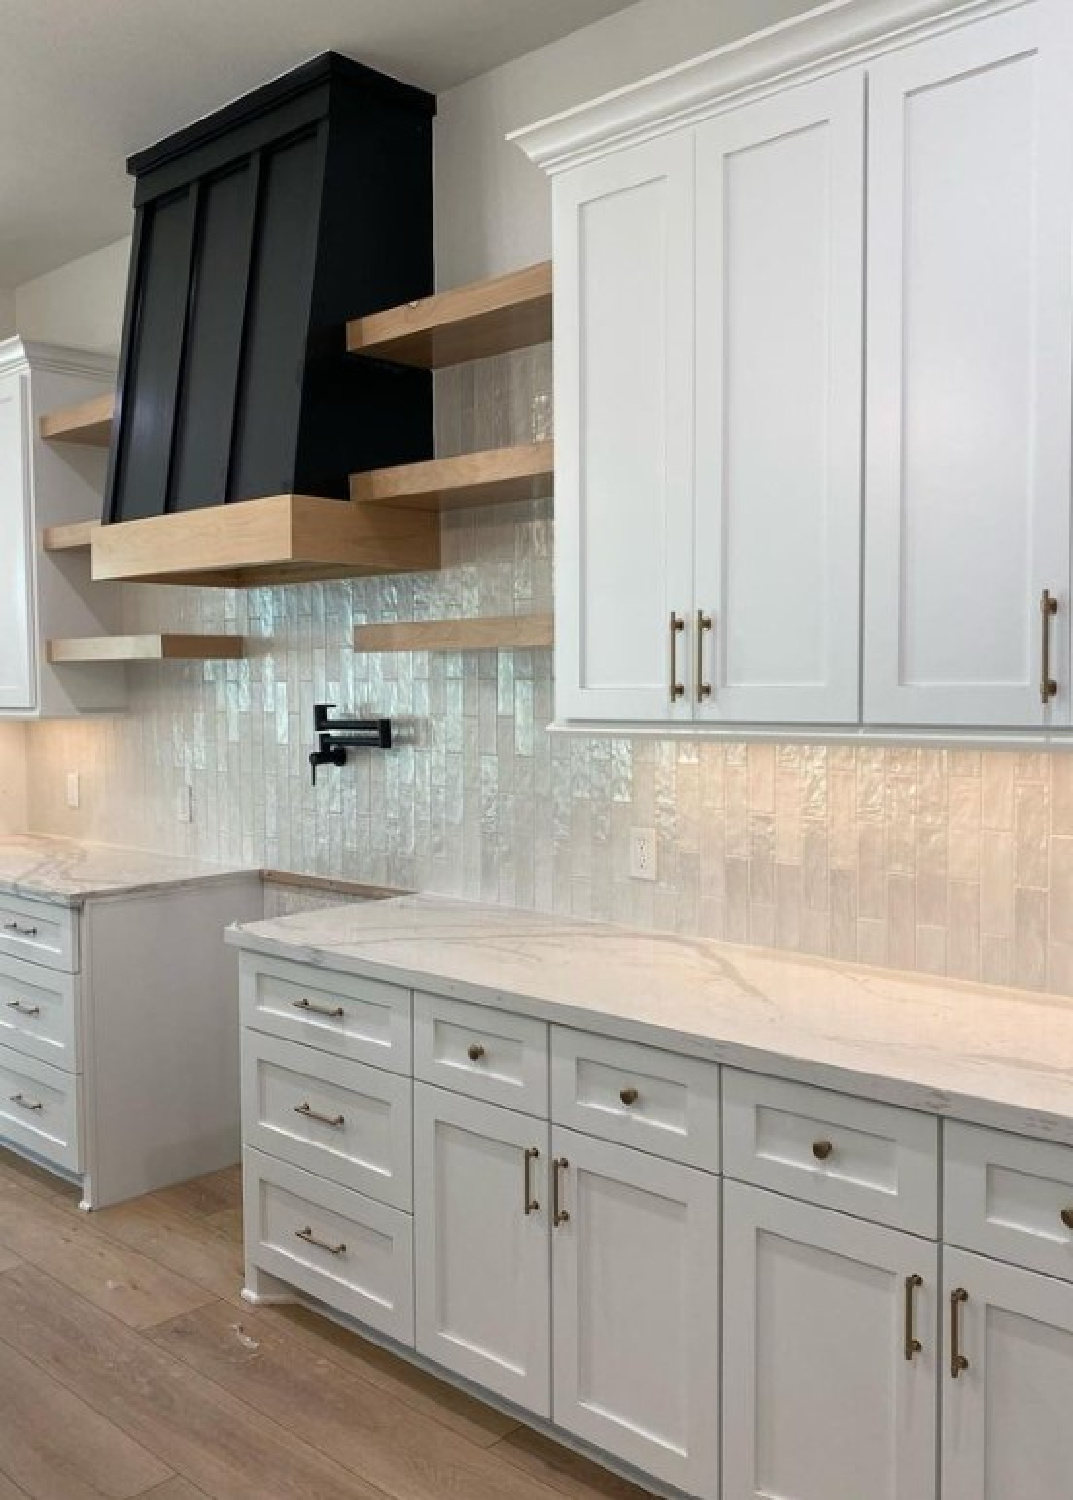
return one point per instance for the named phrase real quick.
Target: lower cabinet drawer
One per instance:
(1009, 1198)
(482, 1051)
(873, 1160)
(351, 1253)
(40, 931)
(39, 1012)
(637, 1095)
(361, 1019)
(343, 1120)
(40, 1109)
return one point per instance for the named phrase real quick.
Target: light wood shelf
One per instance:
(76, 536)
(470, 322)
(506, 633)
(90, 422)
(494, 477)
(278, 539)
(111, 648)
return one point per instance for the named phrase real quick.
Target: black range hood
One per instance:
(259, 230)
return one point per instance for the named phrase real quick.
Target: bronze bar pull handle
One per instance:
(24, 1102)
(1048, 608)
(311, 1239)
(333, 1012)
(558, 1215)
(531, 1204)
(678, 689)
(912, 1343)
(21, 931)
(704, 689)
(958, 1363)
(306, 1109)
(1067, 1217)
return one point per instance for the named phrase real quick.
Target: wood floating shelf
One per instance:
(503, 633)
(495, 477)
(90, 422)
(85, 650)
(278, 539)
(470, 322)
(75, 536)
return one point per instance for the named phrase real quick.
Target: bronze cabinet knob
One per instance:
(474, 1051)
(1067, 1217)
(821, 1150)
(628, 1096)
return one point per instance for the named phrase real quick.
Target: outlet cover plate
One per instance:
(642, 854)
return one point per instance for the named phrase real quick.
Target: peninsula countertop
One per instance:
(68, 872)
(979, 1053)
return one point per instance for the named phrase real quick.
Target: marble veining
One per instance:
(994, 1056)
(69, 871)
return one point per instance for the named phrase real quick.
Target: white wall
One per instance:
(7, 313)
(492, 204)
(80, 304)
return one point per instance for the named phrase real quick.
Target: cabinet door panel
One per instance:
(823, 1404)
(16, 634)
(969, 354)
(780, 307)
(1006, 1426)
(624, 392)
(636, 1295)
(482, 1276)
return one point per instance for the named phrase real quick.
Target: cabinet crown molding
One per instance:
(836, 34)
(17, 353)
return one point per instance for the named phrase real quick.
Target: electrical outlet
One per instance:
(642, 854)
(74, 790)
(184, 804)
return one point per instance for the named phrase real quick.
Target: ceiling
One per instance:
(83, 85)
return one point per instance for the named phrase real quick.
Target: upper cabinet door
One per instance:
(623, 247)
(780, 288)
(17, 675)
(969, 354)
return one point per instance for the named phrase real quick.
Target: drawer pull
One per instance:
(22, 931)
(821, 1150)
(33, 1105)
(311, 1239)
(24, 1009)
(474, 1051)
(558, 1215)
(336, 1121)
(958, 1363)
(912, 1343)
(531, 1204)
(628, 1096)
(1067, 1217)
(333, 1011)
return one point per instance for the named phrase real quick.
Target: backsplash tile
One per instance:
(956, 862)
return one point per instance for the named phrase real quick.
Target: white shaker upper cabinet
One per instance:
(780, 288)
(17, 644)
(623, 250)
(968, 369)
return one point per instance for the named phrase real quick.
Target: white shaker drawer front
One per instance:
(873, 1160)
(637, 1095)
(40, 1109)
(351, 1253)
(1009, 1198)
(345, 1014)
(478, 1050)
(341, 1119)
(39, 1012)
(40, 932)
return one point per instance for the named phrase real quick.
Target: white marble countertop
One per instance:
(978, 1053)
(68, 872)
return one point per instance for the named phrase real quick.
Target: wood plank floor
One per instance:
(130, 1367)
